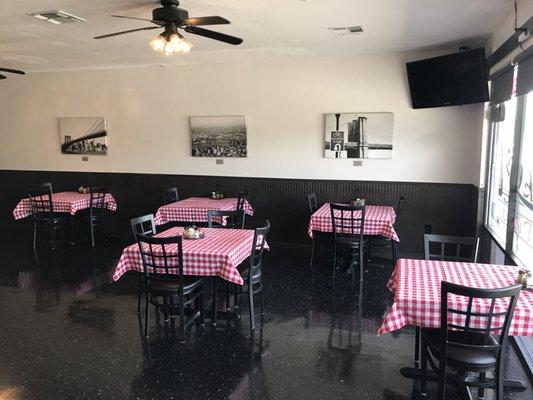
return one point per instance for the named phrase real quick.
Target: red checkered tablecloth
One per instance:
(194, 209)
(379, 220)
(64, 202)
(219, 253)
(416, 288)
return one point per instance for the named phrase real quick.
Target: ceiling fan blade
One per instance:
(140, 19)
(211, 20)
(129, 31)
(221, 37)
(2, 77)
(13, 71)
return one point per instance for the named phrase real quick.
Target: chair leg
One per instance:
(423, 381)
(227, 297)
(313, 249)
(214, 316)
(182, 322)
(334, 259)
(394, 253)
(261, 299)
(53, 236)
(252, 308)
(417, 346)
(34, 234)
(201, 301)
(139, 294)
(146, 316)
(71, 223)
(92, 232)
(499, 382)
(481, 391)
(442, 380)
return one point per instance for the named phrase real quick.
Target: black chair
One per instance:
(144, 225)
(446, 243)
(469, 346)
(384, 242)
(170, 195)
(162, 260)
(463, 248)
(241, 199)
(42, 208)
(311, 202)
(252, 276)
(234, 219)
(97, 209)
(348, 235)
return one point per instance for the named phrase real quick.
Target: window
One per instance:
(522, 247)
(502, 145)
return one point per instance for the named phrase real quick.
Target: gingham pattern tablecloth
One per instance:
(194, 209)
(416, 288)
(64, 202)
(379, 220)
(219, 253)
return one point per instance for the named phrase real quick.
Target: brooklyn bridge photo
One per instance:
(83, 135)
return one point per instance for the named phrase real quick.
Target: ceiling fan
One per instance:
(12, 71)
(171, 18)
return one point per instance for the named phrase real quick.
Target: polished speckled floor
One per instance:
(67, 332)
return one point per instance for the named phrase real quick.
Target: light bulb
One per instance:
(170, 43)
(158, 43)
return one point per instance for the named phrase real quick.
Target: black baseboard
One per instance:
(446, 208)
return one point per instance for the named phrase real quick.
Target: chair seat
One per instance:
(349, 241)
(189, 284)
(469, 358)
(256, 276)
(47, 219)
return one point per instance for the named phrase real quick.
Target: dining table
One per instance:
(194, 209)
(416, 288)
(379, 220)
(64, 202)
(218, 255)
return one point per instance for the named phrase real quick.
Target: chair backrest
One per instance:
(258, 245)
(462, 248)
(162, 257)
(170, 195)
(499, 303)
(144, 225)
(97, 199)
(399, 208)
(41, 202)
(311, 202)
(234, 219)
(348, 220)
(241, 199)
(44, 185)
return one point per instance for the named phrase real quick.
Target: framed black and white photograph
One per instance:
(83, 135)
(219, 136)
(359, 135)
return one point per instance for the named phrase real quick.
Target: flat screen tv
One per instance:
(450, 80)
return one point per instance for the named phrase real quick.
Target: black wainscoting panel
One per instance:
(448, 208)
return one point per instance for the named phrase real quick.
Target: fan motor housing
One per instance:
(169, 14)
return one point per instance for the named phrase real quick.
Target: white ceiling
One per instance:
(289, 27)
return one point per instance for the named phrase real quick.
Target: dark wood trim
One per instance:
(448, 208)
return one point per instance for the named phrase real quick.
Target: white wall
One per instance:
(284, 100)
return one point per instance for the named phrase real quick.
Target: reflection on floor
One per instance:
(67, 332)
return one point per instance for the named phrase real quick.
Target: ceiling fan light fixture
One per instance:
(170, 43)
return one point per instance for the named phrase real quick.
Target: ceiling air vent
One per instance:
(346, 30)
(56, 17)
